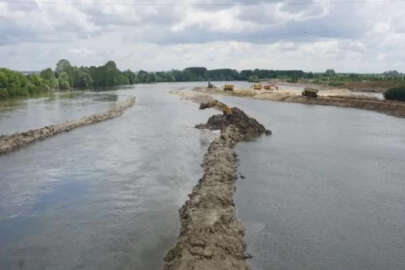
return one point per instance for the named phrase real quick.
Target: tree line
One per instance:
(65, 76)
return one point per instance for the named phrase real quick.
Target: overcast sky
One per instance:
(347, 35)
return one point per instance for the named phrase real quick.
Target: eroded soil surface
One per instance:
(211, 236)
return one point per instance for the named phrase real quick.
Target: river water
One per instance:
(325, 191)
(104, 196)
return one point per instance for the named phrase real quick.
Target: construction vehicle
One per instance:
(270, 86)
(257, 86)
(218, 105)
(228, 87)
(310, 92)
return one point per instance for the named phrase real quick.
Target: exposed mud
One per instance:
(211, 236)
(15, 141)
(329, 97)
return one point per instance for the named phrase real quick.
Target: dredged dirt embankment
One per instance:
(394, 108)
(211, 236)
(9, 143)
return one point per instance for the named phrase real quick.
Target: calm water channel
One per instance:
(325, 191)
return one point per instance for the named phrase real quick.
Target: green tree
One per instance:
(64, 81)
(49, 76)
(330, 72)
(253, 78)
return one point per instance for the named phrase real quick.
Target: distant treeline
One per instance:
(66, 76)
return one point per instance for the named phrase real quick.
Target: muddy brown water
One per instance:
(325, 191)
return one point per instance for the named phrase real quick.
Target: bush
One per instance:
(63, 84)
(22, 92)
(3, 93)
(397, 93)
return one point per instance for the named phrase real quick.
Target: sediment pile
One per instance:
(15, 141)
(211, 236)
(394, 108)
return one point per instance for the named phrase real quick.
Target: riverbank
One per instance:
(339, 98)
(9, 143)
(211, 236)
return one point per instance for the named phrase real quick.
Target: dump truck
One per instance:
(270, 86)
(257, 86)
(310, 92)
(228, 87)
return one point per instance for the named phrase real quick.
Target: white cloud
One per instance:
(358, 36)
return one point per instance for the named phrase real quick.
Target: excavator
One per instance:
(218, 105)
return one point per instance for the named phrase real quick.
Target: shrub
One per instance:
(63, 84)
(3, 93)
(397, 93)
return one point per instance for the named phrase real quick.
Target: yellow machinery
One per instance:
(228, 87)
(257, 86)
(270, 86)
(310, 92)
(217, 104)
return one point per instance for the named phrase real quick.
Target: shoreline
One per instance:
(211, 236)
(393, 108)
(15, 141)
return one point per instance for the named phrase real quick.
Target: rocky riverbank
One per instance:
(331, 98)
(12, 142)
(211, 236)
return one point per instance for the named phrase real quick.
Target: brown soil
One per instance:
(15, 141)
(394, 108)
(211, 236)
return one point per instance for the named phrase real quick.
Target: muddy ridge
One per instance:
(394, 108)
(12, 142)
(211, 236)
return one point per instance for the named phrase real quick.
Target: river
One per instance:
(325, 191)
(104, 196)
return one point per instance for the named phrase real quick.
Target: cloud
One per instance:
(223, 33)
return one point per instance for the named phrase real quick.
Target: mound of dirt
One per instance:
(248, 126)
(211, 236)
(15, 141)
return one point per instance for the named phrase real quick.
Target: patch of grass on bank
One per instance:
(336, 84)
(397, 93)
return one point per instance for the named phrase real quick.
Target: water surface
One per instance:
(104, 196)
(326, 190)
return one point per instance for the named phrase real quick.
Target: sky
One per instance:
(312, 35)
